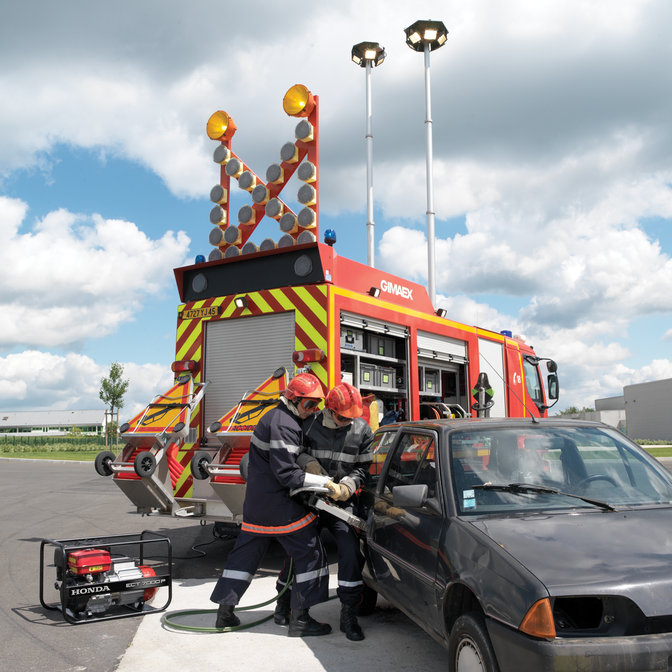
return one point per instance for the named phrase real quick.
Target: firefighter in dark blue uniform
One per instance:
(270, 513)
(339, 445)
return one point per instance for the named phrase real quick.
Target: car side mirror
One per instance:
(409, 496)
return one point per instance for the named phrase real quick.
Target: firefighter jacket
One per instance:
(272, 473)
(343, 452)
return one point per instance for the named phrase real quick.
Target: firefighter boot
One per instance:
(281, 615)
(225, 617)
(302, 624)
(349, 624)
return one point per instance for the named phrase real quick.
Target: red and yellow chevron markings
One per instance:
(243, 417)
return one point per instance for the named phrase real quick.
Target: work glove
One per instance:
(310, 465)
(334, 489)
(314, 467)
(343, 493)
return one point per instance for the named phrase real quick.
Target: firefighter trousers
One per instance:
(350, 560)
(311, 573)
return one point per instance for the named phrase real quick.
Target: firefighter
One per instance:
(270, 513)
(339, 445)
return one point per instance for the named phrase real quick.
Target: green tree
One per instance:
(113, 388)
(573, 410)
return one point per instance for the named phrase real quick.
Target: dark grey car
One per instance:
(524, 545)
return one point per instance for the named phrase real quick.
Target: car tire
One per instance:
(469, 648)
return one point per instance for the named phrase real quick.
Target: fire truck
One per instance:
(253, 315)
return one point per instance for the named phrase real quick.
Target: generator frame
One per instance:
(118, 541)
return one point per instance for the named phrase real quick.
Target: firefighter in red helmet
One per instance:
(270, 513)
(339, 445)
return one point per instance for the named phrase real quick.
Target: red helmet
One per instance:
(304, 386)
(345, 400)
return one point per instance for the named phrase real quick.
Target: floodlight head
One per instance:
(298, 101)
(368, 52)
(431, 33)
(220, 126)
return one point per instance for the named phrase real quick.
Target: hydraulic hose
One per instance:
(170, 623)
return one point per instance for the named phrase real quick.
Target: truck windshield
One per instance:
(592, 463)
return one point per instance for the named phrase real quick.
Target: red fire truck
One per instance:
(252, 316)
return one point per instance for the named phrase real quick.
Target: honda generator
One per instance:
(108, 577)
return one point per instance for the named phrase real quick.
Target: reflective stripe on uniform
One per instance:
(311, 576)
(350, 584)
(275, 443)
(290, 448)
(279, 529)
(237, 576)
(340, 457)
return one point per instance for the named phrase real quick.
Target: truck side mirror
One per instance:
(553, 386)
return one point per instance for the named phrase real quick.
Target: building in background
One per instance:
(52, 423)
(642, 412)
(647, 409)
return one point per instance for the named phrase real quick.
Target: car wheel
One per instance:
(469, 647)
(368, 603)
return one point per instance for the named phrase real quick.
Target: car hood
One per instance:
(617, 553)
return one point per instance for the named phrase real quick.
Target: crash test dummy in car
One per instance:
(339, 445)
(270, 513)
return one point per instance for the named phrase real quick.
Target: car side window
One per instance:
(382, 440)
(413, 462)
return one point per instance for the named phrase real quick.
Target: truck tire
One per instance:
(144, 464)
(198, 463)
(102, 463)
(469, 648)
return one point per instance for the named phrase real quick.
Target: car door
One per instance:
(405, 541)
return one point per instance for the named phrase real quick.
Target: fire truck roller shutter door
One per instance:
(241, 352)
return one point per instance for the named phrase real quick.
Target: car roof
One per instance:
(469, 424)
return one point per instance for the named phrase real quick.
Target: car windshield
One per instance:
(598, 467)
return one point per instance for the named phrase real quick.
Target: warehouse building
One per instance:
(642, 412)
(52, 423)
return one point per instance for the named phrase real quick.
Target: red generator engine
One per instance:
(99, 579)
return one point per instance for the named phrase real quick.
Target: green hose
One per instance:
(168, 616)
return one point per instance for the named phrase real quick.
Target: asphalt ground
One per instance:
(42, 499)
(62, 500)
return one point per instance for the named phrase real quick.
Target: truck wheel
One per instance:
(144, 464)
(102, 463)
(198, 464)
(368, 603)
(469, 647)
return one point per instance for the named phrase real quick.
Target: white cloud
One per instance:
(551, 142)
(72, 278)
(72, 381)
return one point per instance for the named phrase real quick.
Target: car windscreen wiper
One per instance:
(525, 488)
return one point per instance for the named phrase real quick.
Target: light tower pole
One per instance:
(369, 55)
(426, 36)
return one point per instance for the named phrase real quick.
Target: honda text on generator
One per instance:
(295, 305)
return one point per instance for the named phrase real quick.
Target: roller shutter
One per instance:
(240, 354)
(441, 348)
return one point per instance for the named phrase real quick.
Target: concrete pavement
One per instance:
(392, 641)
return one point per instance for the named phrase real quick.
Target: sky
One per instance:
(552, 146)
